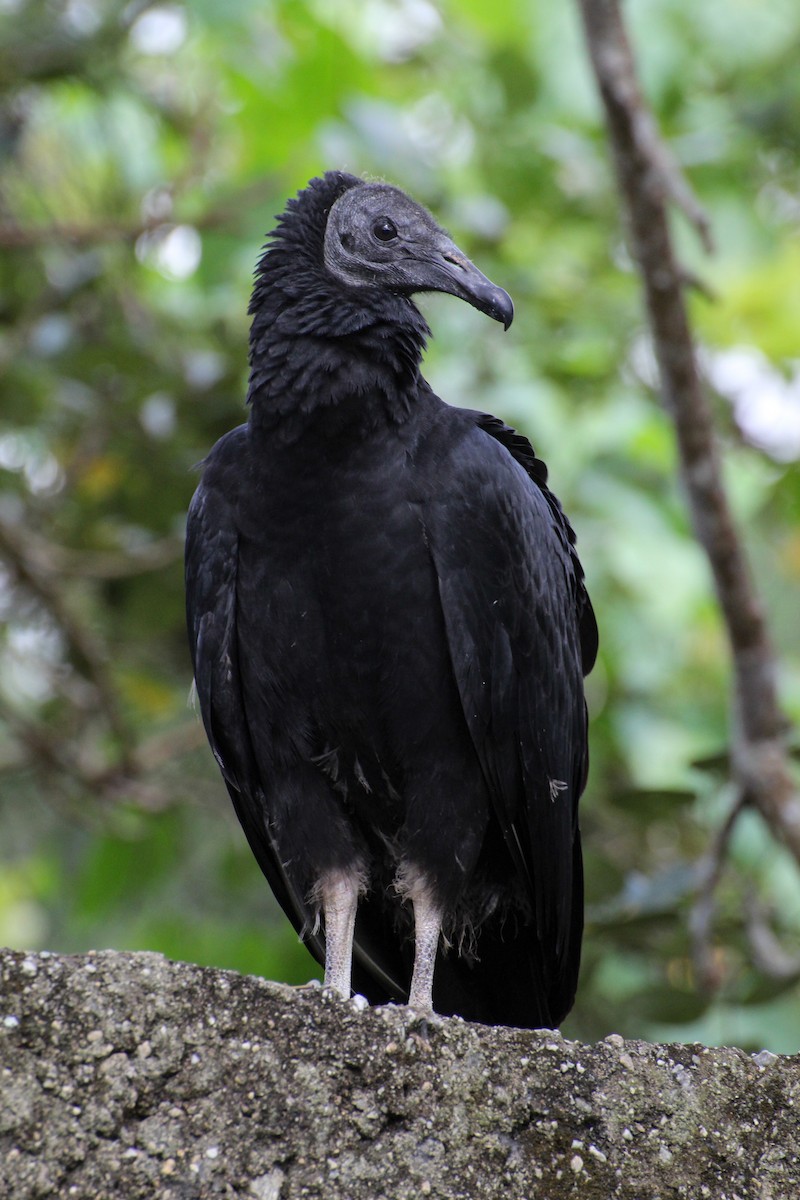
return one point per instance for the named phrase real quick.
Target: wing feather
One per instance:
(212, 559)
(521, 635)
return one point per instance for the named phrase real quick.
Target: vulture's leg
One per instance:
(339, 894)
(427, 927)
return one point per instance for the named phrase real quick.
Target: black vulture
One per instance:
(389, 630)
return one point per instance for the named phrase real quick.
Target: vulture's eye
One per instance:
(384, 230)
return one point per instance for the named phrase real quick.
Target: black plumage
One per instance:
(390, 630)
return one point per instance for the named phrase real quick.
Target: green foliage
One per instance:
(143, 153)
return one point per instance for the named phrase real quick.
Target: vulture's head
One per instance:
(377, 237)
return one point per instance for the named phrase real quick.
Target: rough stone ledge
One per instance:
(126, 1075)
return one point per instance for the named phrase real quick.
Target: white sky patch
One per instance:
(157, 204)
(765, 401)
(51, 334)
(31, 654)
(26, 453)
(82, 17)
(7, 594)
(157, 416)
(642, 362)
(766, 404)
(438, 132)
(392, 30)
(174, 250)
(483, 215)
(44, 477)
(14, 450)
(202, 368)
(160, 30)
(179, 254)
(400, 29)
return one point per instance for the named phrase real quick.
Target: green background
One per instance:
(144, 151)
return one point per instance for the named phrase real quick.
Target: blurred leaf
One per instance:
(666, 1005)
(760, 989)
(652, 803)
(643, 896)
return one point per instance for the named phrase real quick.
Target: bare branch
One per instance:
(768, 954)
(612, 58)
(701, 918)
(53, 559)
(48, 754)
(169, 744)
(87, 649)
(228, 212)
(759, 756)
(140, 781)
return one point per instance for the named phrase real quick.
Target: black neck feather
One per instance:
(324, 355)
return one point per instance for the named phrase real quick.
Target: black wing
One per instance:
(521, 635)
(212, 566)
(212, 559)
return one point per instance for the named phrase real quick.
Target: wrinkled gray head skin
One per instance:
(377, 236)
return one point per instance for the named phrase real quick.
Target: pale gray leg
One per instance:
(427, 927)
(339, 893)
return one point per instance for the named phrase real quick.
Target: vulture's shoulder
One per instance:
(213, 512)
(483, 475)
(466, 448)
(224, 462)
(212, 532)
(470, 440)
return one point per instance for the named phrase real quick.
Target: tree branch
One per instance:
(769, 956)
(701, 918)
(612, 59)
(88, 650)
(227, 213)
(56, 757)
(53, 559)
(647, 176)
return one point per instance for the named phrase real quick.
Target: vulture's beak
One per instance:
(447, 269)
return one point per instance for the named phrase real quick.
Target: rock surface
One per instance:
(126, 1075)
